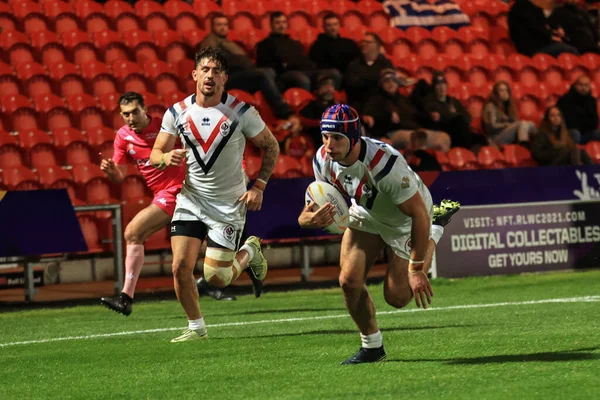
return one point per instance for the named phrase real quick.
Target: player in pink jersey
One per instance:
(136, 139)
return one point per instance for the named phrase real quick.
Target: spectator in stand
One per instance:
(578, 106)
(531, 31)
(310, 115)
(330, 50)
(447, 114)
(390, 114)
(501, 121)
(286, 56)
(580, 30)
(362, 75)
(243, 74)
(553, 144)
(419, 155)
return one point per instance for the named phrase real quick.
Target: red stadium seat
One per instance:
(10, 151)
(462, 159)
(12, 103)
(78, 153)
(64, 138)
(89, 228)
(52, 175)
(593, 149)
(101, 136)
(114, 8)
(442, 158)
(491, 158)
(287, 167)
(517, 155)
(252, 166)
(133, 187)
(19, 178)
(80, 102)
(297, 98)
(175, 97)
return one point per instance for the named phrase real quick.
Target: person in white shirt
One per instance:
(390, 207)
(212, 205)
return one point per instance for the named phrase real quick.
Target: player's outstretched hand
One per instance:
(252, 199)
(421, 288)
(322, 217)
(108, 166)
(175, 158)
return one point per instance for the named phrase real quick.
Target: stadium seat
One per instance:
(19, 178)
(52, 175)
(10, 150)
(101, 136)
(90, 232)
(442, 158)
(132, 188)
(297, 98)
(66, 137)
(31, 138)
(127, 22)
(115, 8)
(517, 156)
(490, 157)
(175, 97)
(287, 167)
(593, 149)
(252, 166)
(462, 159)
(78, 153)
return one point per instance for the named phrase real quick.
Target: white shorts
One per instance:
(398, 238)
(225, 220)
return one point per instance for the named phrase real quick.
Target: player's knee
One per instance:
(218, 267)
(181, 269)
(218, 276)
(349, 282)
(132, 235)
(397, 300)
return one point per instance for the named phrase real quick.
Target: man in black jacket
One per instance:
(579, 110)
(330, 50)
(362, 75)
(445, 113)
(310, 114)
(530, 31)
(286, 56)
(579, 28)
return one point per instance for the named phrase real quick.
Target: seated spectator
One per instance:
(243, 74)
(330, 50)
(390, 114)
(580, 30)
(419, 155)
(553, 145)
(362, 75)
(578, 106)
(447, 114)
(286, 57)
(531, 32)
(501, 121)
(310, 115)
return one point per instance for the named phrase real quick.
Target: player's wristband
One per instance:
(414, 267)
(260, 184)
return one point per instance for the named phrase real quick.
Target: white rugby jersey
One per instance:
(376, 183)
(215, 138)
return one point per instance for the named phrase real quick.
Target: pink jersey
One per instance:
(139, 147)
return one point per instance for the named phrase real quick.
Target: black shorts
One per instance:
(199, 230)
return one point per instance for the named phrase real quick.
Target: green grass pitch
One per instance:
(533, 336)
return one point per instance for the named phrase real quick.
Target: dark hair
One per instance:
(419, 135)
(276, 14)
(212, 53)
(563, 137)
(130, 97)
(217, 15)
(330, 15)
(376, 37)
(495, 99)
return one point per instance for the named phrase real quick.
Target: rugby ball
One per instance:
(323, 192)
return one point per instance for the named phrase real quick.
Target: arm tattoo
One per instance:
(270, 148)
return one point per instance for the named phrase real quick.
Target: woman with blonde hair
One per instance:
(500, 119)
(553, 144)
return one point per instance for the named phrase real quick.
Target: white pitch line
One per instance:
(585, 299)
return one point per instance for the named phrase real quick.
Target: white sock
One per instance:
(196, 324)
(372, 341)
(436, 233)
(249, 249)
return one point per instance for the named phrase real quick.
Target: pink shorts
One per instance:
(165, 199)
